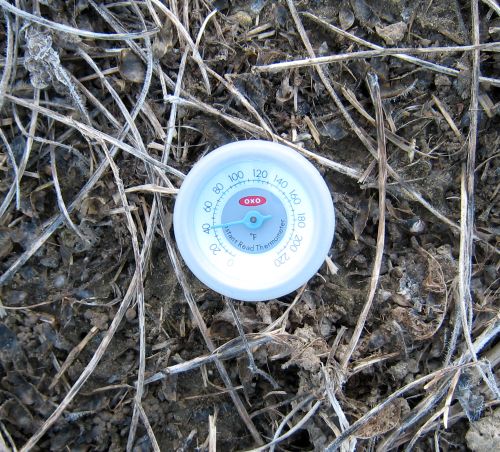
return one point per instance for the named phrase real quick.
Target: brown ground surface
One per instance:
(91, 305)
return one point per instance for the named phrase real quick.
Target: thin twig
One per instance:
(149, 429)
(73, 354)
(449, 398)
(74, 31)
(448, 118)
(410, 446)
(342, 419)
(9, 438)
(24, 159)
(8, 59)
(60, 200)
(251, 361)
(123, 109)
(426, 64)
(390, 135)
(15, 168)
(278, 439)
(287, 419)
(467, 196)
(152, 11)
(95, 134)
(363, 54)
(374, 411)
(152, 188)
(185, 35)
(173, 109)
(457, 414)
(467, 207)
(284, 317)
(382, 178)
(229, 85)
(423, 408)
(493, 5)
(236, 349)
(212, 432)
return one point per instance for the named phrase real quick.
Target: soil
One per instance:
(70, 295)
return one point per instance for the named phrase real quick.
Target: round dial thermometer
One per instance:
(254, 220)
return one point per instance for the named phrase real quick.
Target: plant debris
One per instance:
(108, 342)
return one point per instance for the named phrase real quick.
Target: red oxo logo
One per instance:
(252, 201)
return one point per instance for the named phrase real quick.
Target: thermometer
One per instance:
(254, 220)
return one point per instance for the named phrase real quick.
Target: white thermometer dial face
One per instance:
(247, 220)
(266, 194)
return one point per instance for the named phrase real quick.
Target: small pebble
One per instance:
(325, 327)
(280, 15)
(393, 33)
(346, 18)
(242, 18)
(221, 5)
(59, 281)
(131, 314)
(323, 49)
(442, 80)
(399, 370)
(417, 226)
(333, 129)
(257, 5)
(131, 67)
(16, 297)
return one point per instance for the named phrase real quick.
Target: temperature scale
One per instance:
(254, 220)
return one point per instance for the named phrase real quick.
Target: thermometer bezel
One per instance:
(321, 229)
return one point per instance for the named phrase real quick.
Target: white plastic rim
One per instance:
(321, 230)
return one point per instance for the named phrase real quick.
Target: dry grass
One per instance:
(382, 180)
(139, 153)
